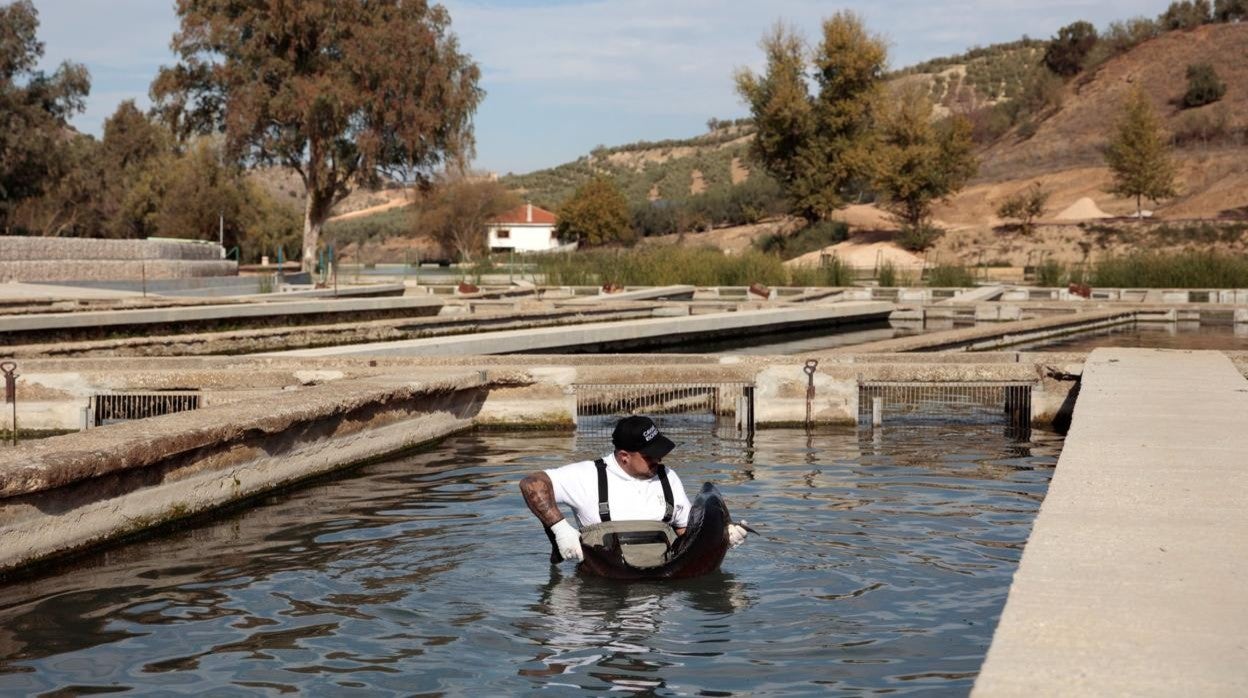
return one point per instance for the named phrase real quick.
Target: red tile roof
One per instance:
(520, 216)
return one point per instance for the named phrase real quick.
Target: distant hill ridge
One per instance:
(1069, 135)
(676, 168)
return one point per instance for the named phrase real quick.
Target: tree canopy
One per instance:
(341, 91)
(921, 161)
(34, 110)
(457, 211)
(1137, 153)
(1066, 51)
(817, 146)
(596, 214)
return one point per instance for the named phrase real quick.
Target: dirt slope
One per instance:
(1076, 134)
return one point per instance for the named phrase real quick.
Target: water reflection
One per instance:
(609, 628)
(883, 563)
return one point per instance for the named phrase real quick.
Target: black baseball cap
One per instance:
(638, 433)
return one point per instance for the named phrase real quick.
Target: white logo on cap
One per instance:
(650, 433)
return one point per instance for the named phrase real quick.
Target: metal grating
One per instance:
(122, 407)
(681, 408)
(904, 402)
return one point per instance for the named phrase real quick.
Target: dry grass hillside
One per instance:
(1076, 133)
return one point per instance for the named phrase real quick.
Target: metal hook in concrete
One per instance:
(9, 368)
(809, 368)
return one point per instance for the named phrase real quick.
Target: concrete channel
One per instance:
(20, 329)
(1132, 582)
(620, 335)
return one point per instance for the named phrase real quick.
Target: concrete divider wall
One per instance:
(71, 492)
(539, 391)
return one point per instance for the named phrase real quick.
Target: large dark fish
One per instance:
(698, 552)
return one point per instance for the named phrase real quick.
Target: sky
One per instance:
(564, 76)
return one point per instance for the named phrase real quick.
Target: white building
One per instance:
(526, 228)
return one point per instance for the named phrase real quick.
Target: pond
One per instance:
(1161, 335)
(882, 564)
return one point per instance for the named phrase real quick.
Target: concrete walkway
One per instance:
(1135, 579)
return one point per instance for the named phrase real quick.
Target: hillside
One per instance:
(1061, 150)
(671, 169)
(980, 77)
(1076, 133)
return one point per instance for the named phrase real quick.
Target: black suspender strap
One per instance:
(667, 494)
(604, 508)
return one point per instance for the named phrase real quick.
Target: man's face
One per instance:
(637, 464)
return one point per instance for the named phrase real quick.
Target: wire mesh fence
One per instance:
(121, 407)
(903, 402)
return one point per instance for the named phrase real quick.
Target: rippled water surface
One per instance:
(882, 566)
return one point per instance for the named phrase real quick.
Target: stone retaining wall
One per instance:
(87, 259)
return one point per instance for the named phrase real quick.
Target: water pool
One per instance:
(882, 566)
(1172, 335)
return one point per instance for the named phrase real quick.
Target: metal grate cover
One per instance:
(122, 407)
(681, 408)
(904, 402)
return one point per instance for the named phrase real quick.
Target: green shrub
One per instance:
(813, 237)
(917, 238)
(1025, 206)
(950, 276)
(1203, 86)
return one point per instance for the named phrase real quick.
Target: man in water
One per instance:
(630, 484)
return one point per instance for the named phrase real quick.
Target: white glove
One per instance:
(568, 539)
(736, 534)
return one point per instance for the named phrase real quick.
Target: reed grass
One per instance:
(1193, 269)
(887, 277)
(697, 266)
(950, 276)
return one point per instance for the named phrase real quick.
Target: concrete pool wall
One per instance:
(267, 423)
